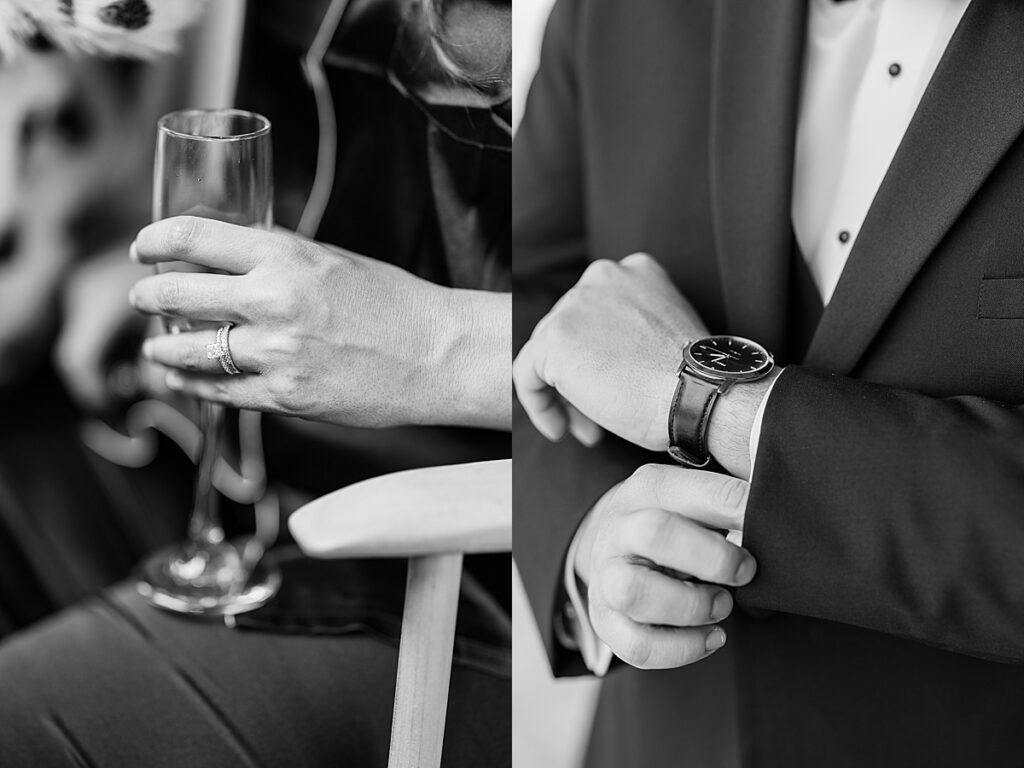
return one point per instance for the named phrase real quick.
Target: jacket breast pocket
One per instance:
(1001, 298)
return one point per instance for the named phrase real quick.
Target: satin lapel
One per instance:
(758, 54)
(970, 114)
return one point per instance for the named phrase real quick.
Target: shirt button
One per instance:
(844, 236)
(895, 69)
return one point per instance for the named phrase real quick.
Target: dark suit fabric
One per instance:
(886, 623)
(203, 695)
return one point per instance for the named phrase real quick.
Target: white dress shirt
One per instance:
(866, 65)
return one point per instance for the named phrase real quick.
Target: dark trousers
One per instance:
(109, 681)
(114, 682)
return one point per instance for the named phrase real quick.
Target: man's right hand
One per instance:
(655, 564)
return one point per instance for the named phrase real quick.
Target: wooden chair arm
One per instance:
(433, 516)
(455, 508)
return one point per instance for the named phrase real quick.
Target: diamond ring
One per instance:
(220, 351)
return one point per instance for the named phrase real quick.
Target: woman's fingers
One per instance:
(208, 243)
(192, 296)
(271, 392)
(244, 391)
(191, 351)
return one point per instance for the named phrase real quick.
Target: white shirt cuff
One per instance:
(596, 655)
(736, 537)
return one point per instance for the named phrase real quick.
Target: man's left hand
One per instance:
(606, 355)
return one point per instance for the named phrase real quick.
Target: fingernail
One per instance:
(745, 571)
(131, 297)
(173, 380)
(715, 640)
(721, 606)
(133, 252)
(147, 348)
(553, 434)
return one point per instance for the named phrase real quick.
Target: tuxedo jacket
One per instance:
(885, 625)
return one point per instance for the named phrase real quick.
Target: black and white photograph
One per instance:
(255, 389)
(442, 384)
(768, 261)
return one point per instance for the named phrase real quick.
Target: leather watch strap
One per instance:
(688, 420)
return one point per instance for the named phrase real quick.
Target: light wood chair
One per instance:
(433, 516)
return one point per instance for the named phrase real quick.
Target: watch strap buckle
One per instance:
(686, 459)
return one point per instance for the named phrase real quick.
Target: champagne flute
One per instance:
(215, 164)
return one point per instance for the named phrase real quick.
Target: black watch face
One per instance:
(728, 356)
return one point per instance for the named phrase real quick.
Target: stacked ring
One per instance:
(220, 351)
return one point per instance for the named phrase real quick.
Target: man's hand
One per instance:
(642, 548)
(606, 355)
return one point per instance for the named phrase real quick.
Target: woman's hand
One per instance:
(322, 333)
(97, 319)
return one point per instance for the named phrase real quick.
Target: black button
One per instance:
(895, 69)
(844, 236)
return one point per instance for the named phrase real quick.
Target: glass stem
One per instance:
(204, 526)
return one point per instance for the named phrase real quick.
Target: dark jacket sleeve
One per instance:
(554, 485)
(892, 511)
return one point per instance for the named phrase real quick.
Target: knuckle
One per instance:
(722, 561)
(646, 476)
(695, 604)
(558, 322)
(289, 393)
(193, 357)
(169, 293)
(283, 301)
(283, 346)
(637, 650)
(261, 299)
(638, 259)
(626, 591)
(183, 233)
(689, 652)
(731, 494)
(268, 250)
(599, 270)
(318, 307)
(305, 251)
(657, 529)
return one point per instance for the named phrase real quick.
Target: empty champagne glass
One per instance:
(215, 164)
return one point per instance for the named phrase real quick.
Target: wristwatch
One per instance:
(710, 366)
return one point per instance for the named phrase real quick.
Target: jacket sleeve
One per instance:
(554, 485)
(893, 511)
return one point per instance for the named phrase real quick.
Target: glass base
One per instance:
(206, 580)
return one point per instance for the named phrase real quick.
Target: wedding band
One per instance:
(220, 351)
